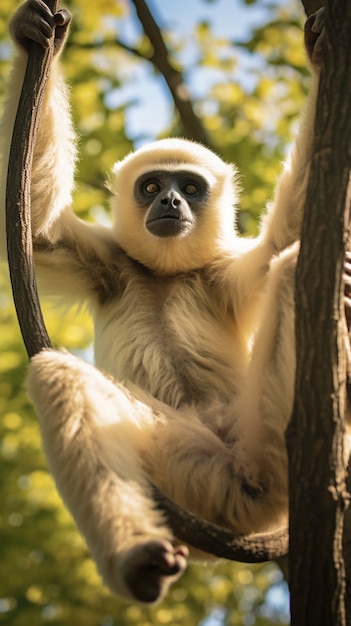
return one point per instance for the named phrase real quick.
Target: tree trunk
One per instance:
(317, 472)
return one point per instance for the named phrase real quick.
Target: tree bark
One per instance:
(317, 472)
(311, 6)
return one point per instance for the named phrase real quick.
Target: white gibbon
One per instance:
(194, 323)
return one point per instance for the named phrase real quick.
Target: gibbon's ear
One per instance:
(214, 227)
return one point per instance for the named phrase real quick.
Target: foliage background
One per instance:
(253, 91)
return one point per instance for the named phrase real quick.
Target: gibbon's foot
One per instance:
(150, 568)
(314, 36)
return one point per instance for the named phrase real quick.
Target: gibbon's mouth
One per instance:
(168, 226)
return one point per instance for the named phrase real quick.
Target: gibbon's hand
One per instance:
(35, 22)
(314, 36)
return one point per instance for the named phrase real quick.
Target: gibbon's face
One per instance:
(173, 202)
(170, 200)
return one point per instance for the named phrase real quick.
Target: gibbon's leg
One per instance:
(90, 428)
(228, 464)
(266, 400)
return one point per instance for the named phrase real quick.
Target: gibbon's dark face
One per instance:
(171, 200)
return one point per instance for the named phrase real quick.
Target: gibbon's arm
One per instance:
(244, 277)
(54, 159)
(281, 226)
(62, 242)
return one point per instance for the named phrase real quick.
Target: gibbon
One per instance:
(194, 324)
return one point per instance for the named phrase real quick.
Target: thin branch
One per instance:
(18, 218)
(193, 128)
(96, 45)
(210, 538)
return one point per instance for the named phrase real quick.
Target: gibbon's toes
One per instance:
(152, 567)
(314, 36)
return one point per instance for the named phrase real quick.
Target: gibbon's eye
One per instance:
(190, 189)
(151, 187)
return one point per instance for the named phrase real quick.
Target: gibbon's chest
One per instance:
(171, 337)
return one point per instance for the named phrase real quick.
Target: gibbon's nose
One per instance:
(171, 200)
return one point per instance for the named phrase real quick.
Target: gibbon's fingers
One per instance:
(62, 20)
(314, 36)
(63, 17)
(38, 6)
(319, 21)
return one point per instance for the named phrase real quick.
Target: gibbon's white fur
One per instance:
(196, 328)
